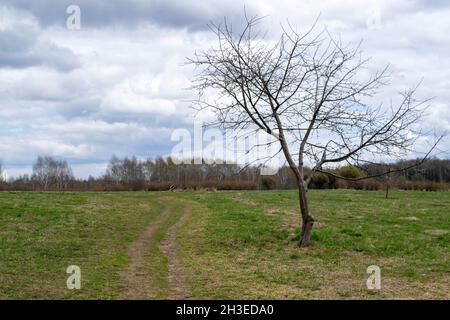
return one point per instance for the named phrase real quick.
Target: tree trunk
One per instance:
(387, 189)
(307, 219)
(388, 178)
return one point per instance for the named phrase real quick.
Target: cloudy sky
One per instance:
(118, 84)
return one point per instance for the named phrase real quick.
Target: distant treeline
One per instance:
(132, 174)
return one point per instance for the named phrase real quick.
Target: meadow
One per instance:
(224, 245)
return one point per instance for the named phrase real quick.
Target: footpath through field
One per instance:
(154, 270)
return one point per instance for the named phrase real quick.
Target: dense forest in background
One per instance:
(132, 174)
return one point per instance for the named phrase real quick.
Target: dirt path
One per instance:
(139, 285)
(176, 272)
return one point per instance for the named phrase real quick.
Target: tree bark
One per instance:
(387, 189)
(307, 219)
(388, 177)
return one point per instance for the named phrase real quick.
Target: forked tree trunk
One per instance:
(307, 219)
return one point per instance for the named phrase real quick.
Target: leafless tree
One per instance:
(49, 173)
(310, 92)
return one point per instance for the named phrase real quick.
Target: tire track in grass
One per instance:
(176, 272)
(138, 283)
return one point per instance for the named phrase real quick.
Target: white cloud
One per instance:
(118, 85)
(23, 45)
(124, 99)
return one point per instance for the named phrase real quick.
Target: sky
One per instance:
(119, 83)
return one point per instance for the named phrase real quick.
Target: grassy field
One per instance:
(223, 245)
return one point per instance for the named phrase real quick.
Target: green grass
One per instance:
(248, 241)
(155, 260)
(41, 234)
(234, 245)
